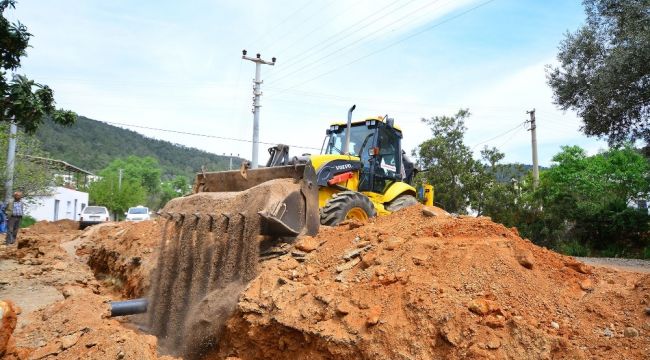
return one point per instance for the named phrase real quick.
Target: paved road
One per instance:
(635, 265)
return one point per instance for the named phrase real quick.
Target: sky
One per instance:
(178, 66)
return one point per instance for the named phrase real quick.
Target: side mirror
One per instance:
(126, 214)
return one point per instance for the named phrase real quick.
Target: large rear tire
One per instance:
(401, 202)
(347, 205)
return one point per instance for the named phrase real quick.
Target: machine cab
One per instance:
(377, 142)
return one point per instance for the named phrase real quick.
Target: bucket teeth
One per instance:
(199, 254)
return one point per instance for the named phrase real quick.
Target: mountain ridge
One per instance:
(92, 144)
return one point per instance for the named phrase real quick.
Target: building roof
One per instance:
(67, 166)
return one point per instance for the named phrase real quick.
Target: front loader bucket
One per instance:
(211, 244)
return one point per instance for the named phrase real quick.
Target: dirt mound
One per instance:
(7, 325)
(64, 307)
(45, 226)
(123, 254)
(423, 286)
(77, 328)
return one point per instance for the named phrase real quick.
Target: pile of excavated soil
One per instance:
(45, 226)
(406, 286)
(123, 254)
(62, 309)
(426, 286)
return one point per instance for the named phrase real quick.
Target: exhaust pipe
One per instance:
(128, 307)
(346, 147)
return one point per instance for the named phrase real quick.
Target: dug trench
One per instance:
(418, 284)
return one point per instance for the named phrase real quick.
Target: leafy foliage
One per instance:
(21, 99)
(92, 145)
(27, 221)
(30, 177)
(144, 170)
(107, 192)
(448, 161)
(139, 175)
(604, 71)
(581, 206)
(586, 198)
(179, 186)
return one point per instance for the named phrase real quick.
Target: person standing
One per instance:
(14, 211)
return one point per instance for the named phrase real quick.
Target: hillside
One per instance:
(91, 145)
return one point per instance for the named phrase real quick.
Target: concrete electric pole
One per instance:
(11, 162)
(533, 135)
(257, 93)
(119, 179)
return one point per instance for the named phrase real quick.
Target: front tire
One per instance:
(401, 202)
(347, 205)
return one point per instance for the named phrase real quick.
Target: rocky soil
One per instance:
(62, 309)
(418, 284)
(413, 286)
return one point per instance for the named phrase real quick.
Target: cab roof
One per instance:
(361, 122)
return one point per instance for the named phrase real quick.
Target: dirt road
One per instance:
(635, 265)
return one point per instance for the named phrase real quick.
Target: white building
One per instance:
(62, 203)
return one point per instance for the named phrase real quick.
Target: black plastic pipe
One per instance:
(129, 307)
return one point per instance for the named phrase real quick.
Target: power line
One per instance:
(428, 28)
(511, 137)
(285, 48)
(267, 33)
(204, 135)
(350, 44)
(305, 53)
(305, 19)
(498, 136)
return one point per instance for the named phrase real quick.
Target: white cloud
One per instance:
(178, 67)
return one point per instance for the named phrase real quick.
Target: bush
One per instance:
(573, 248)
(27, 221)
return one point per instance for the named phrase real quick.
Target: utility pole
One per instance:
(533, 136)
(119, 180)
(257, 93)
(230, 166)
(11, 161)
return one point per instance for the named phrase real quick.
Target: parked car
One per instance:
(138, 213)
(92, 215)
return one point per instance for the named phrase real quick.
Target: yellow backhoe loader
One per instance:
(361, 172)
(212, 238)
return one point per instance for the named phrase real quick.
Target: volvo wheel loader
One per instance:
(212, 238)
(361, 172)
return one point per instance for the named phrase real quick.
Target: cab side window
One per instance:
(387, 162)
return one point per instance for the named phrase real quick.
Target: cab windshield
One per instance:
(360, 139)
(138, 210)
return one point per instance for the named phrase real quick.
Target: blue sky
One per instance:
(178, 66)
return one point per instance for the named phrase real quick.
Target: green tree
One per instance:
(179, 186)
(21, 99)
(144, 170)
(30, 176)
(499, 199)
(448, 162)
(604, 70)
(107, 192)
(585, 200)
